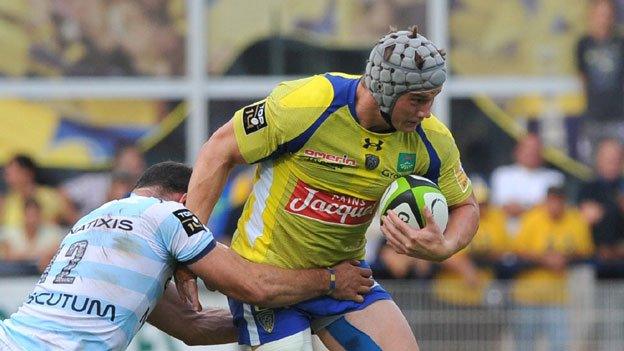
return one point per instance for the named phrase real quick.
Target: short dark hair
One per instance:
(32, 202)
(556, 190)
(26, 162)
(168, 176)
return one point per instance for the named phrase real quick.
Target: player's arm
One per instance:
(463, 224)
(271, 286)
(206, 327)
(216, 159)
(254, 133)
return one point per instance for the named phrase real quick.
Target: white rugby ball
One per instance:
(409, 195)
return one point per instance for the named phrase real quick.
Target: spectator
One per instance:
(518, 187)
(225, 215)
(474, 268)
(392, 265)
(465, 282)
(599, 202)
(20, 177)
(94, 37)
(551, 237)
(121, 185)
(33, 242)
(87, 192)
(137, 24)
(600, 62)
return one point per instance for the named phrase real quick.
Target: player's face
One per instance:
(411, 108)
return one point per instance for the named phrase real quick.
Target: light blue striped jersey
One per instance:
(107, 276)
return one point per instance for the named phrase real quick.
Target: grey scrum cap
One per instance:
(403, 61)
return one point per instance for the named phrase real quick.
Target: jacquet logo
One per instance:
(331, 208)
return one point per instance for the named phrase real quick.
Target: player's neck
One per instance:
(154, 192)
(367, 110)
(146, 192)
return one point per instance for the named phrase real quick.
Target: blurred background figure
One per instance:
(551, 238)
(121, 185)
(466, 282)
(601, 206)
(20, 176)
(229, 208)
(94, 37)
(391, 265)
(89, 191)
(518, 187)
(600, 62)
(32, 243)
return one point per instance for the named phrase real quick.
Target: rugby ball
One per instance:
(409, 195)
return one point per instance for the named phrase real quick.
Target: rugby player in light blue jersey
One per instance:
(112, 268)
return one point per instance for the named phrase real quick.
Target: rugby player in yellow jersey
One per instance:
(326, 147)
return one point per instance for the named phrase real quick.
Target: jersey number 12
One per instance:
(76, 251)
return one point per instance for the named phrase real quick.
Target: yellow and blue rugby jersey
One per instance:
(320, 173)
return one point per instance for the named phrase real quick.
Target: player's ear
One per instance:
(182, 199)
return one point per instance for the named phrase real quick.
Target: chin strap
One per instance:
(388, 119)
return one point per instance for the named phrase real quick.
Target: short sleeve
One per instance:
(183, 236)
(454, 181)
(265, 129)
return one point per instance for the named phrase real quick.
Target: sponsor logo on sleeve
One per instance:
(462, 179)
(254, 118)
(190, 222)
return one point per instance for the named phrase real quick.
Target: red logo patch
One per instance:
(329, 208)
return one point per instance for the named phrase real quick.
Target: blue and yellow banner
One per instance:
(81, 135)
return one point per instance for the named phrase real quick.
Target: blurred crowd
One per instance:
(34, 217)
(536, 230)
(92, 37)
(533, 232)
(534, 235)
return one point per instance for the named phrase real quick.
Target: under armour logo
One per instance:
(368, 143)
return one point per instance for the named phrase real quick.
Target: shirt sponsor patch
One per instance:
(462, 179)
(190, 222)
(254, 118)
(343, 160)
(406, 162)
(327, 207)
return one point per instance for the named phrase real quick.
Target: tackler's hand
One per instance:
(352, 282)
(186, 284)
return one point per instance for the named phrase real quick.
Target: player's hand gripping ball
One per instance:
(409, 195)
